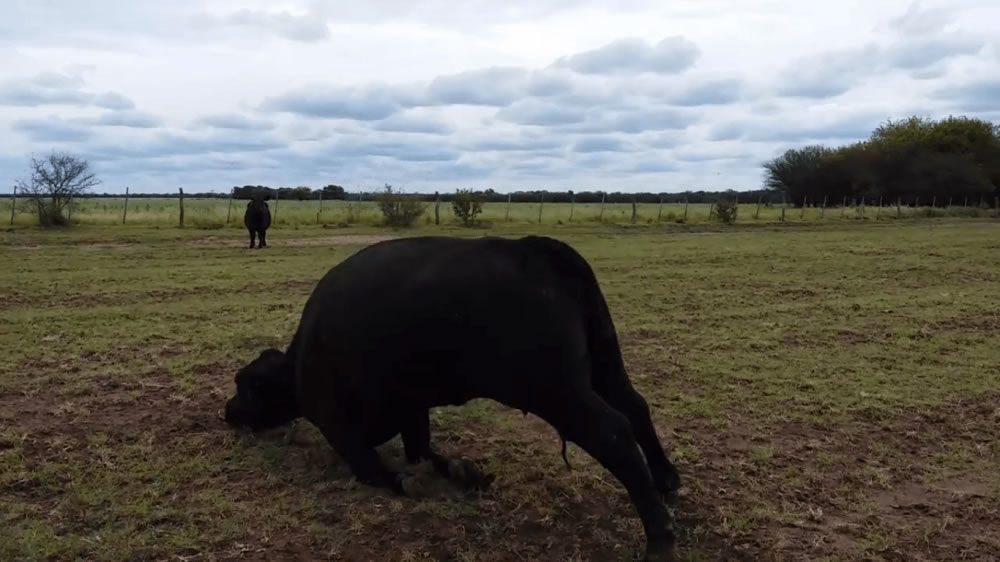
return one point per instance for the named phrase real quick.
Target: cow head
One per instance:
(259, 200)
(265, 393)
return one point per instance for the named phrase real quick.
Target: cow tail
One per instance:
(579, 280)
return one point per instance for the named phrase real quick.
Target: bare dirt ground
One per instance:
(752, 492)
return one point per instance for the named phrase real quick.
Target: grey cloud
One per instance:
(309, 27)
(364, 104)
(855, 127)
(532, 167)
(410, 124)
(727, 131)
(172, 144)
(715, 92)
(709, 155)
(921, 22)
(534, 112)
(111, 100)
(599, 144)
(407, 151)
(633, 56)
(235, 121)
(57, 80)
(53, 88)
(831, 74)
(826, 75)
(515, 145)
(132, 119)
(549, 82)
(52, 130)
(652, 119)
(652, 165)
(461, 171)
(496, 86)
(979, 96)
(851, 128)
(668, 139)
(26, 95)
(920, 53)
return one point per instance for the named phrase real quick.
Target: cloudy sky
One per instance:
(428, 95)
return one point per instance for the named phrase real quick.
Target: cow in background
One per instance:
(257, 218)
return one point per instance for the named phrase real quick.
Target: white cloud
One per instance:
(431, 95)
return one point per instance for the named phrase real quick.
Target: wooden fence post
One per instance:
(274, 217)
(822, 211)
(685, 209)
(756, 214)
(320, 211)
(437, 208)
(633, 211)
(181, 190)
(843, 207)
(229, 213)
(541, 203)
(506, 217)
(69, 206)
(600, 216)
(13, 205)
(125, 209)
(878, 213)
(572, 203)
(805, 201)
(659, 211)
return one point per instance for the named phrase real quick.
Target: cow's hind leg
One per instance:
(620, 394)
(417, 446)
(263, 238)
(253, 235)
(584, 418)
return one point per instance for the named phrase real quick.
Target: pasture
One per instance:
(829, 390)
(217, 213)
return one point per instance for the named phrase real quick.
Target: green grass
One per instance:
(213, 213)
(817, 386)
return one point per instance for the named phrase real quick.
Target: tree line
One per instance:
(335, 192)
(915, 161)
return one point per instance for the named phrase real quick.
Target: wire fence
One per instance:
(222, 213)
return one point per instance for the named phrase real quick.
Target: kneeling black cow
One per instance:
(257, 218)
(410, 324)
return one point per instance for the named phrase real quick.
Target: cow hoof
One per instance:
(469, 475)
(413, 487)
(662, 553)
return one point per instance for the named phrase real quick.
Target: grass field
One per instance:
(214, 213)
(828, 391)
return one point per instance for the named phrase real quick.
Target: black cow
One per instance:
(257, 218)
(409, 324)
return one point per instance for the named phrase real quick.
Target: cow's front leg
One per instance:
(362, 459)
(417, 446)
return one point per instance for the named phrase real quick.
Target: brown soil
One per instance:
(870, 490)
